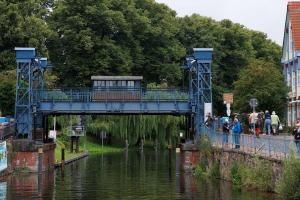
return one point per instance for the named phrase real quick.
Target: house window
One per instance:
(298, 77)
(294, 82)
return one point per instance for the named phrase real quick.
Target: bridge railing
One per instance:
(111, 94)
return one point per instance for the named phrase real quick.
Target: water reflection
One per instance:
(25, 186)
(128, 175)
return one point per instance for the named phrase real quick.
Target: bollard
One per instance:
(40, 157)
(62, 155)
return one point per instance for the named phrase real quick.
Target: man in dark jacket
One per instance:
(296, 133)
(226, 129)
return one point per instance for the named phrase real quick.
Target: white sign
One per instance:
(228, 111)
(207, 110)
(52, 134)
(3, 156)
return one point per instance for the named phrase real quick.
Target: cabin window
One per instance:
(130, 84)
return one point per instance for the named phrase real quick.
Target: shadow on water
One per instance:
(128, 175)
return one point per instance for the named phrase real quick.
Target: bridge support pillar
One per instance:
(30, 156)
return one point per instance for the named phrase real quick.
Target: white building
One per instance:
(290, 60)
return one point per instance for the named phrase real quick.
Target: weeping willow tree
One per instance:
(159, 129)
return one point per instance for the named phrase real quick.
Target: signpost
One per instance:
(228, 100)
(253, 103)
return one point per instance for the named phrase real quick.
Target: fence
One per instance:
(269, 146)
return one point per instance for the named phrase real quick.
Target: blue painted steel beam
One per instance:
(116, 107)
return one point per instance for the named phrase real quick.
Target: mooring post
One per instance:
(77, 144)
(40, 158)
(72, 143)
(62, 155)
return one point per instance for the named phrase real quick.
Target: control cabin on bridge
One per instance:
(116, 87)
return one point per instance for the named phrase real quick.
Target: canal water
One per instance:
(132, 175)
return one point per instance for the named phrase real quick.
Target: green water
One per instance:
(134, 175)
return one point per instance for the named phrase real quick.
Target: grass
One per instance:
(85, 145)
(93, 147)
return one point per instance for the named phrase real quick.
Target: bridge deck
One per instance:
(85, 101)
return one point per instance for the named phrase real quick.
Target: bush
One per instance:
(200, 171)
(288, 185)
(257, 176)
(236, 176)
(214, 171)
(205, 146)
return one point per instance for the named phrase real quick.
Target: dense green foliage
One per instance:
(130, 37)
(257, 175)
(288, 185)
(264, 81)
(161, 129)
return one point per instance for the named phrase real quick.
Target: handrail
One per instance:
(103, 94)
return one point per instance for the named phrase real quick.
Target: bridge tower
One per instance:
(200, 85)
(30, 81)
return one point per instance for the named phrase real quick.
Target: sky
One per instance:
(267, 16)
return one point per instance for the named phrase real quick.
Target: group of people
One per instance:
(265, 123)
(236, 131)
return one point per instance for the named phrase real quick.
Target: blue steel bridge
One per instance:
(85, 101)
(34, 103)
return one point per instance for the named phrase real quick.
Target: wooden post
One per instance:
(71, 146)
(62, 155)
(77, 144)
(40, 162)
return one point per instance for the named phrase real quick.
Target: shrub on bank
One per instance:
(288, 185)
(256, 176)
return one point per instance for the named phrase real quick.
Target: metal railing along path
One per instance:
(269, 146)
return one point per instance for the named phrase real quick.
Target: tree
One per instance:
(262, 80)
(7, 92)
(114, 38)
(22, 25)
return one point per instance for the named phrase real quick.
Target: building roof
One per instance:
(116, 78)
(294, 14)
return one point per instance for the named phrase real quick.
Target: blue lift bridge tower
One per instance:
(200, 86)
(30, 81)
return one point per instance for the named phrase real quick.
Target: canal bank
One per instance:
(240, 168)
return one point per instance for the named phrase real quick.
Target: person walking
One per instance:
(225, 133)
(236, 131)
(275, 122)
(296, 133)
(267, 122)
(252, 121)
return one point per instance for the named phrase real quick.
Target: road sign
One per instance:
(253, 102)
(228, 98)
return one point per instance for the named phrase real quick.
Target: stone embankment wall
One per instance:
(191, 156)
